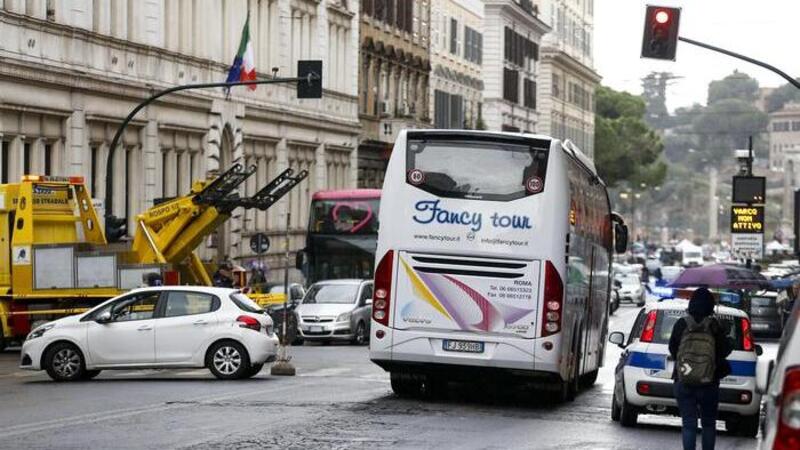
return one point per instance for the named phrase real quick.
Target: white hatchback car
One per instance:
(782, 397)
(164, 327)
(643, 377)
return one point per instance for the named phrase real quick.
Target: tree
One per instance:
(726, 125)
(626, 148)
(781, 96)
(737, 85)
(654, 91)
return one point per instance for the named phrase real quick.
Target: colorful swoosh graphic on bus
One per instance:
(433, 288)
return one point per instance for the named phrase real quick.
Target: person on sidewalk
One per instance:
(699, 345)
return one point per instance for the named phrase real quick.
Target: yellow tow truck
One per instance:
(55, 259)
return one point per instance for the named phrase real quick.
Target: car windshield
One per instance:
(630, 279)
(666, 320)
(693, 254)
(245, 303)
(331, 293)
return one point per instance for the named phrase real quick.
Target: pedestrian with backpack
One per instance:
(699, 345)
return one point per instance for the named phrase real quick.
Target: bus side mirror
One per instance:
(620, 237)
(300, 260)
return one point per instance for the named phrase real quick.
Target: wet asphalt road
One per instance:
(338, 400)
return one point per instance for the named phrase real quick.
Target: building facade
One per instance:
(784, 156)
(393, 79)
(512, 35)
(73, 69)
(456, 93)
(567, 78)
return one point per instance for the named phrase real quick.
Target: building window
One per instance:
(518, 48)
(26, 158)
(3, 161)
(454, 36)
(93, 169)
(556, 86)
(48, 159)
(511, 85)
(796, 126)
(780, 126)
(448, 110)
(530, 94)
(473, 45)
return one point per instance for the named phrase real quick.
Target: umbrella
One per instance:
(721, 276)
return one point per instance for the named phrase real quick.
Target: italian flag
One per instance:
(244, 64)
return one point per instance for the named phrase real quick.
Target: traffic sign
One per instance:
(747, 219)
(259, 243)
(748, 245)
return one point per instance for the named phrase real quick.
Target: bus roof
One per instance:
(347, 194)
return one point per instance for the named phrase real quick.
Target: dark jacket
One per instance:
(701, 306)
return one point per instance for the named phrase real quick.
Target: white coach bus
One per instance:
(493, 262)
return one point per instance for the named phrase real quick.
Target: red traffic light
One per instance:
(660, 38)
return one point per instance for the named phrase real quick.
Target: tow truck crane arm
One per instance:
(170, 232)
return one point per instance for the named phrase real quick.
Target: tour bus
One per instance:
(342, 235)
(493, 261)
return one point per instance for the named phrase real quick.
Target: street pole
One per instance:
(283, 365)
(783, 74)
(109, 193)
(749, 262)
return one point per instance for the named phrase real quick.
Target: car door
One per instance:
(188, 321)
(129, 338)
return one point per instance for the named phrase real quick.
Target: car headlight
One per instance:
(40, 331)
(343, 317)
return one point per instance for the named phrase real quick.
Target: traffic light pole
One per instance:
(109, 194)
(783, 74)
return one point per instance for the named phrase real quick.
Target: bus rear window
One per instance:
(479, 169)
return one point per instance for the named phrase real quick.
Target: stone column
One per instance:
(15, 159)
(321, 167)
(151, 153)
(74, 153)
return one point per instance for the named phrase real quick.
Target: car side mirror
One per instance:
(617, 337)
(759, 350)
(104, 317)
(617, 283)
(368, 301)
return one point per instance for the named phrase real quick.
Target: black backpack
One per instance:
(696, 362)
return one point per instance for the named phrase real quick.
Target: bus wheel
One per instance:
(405, 385)
(588, 379)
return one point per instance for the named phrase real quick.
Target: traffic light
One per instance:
(660, 40)
(310, 87)
(116, 228)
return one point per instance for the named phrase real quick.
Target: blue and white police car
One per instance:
(643, 377)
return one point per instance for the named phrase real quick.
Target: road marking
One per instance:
(127, 412)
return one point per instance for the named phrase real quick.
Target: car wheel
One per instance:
(64, 362)
(360, 338)
(615, 410)
(89, 374)
(228, 360)
(254, 370)
(628, 415)
(746, 426)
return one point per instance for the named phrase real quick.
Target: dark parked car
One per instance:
(765, 314)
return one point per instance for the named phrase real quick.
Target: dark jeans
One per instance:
(692, 399)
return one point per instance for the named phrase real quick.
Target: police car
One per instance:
(643, 377)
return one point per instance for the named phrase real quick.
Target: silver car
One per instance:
(336, 310)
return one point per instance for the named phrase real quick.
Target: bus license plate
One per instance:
(462, 346)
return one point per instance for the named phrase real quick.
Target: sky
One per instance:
(762, 29)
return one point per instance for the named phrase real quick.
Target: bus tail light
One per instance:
(788, 435)
(747, 336)
(649, 330)
(553, 298)
(383, 289)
